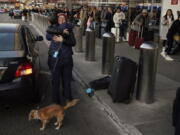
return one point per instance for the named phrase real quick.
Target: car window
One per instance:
(29, 41)
(18, 44)
(10, 42)
(30, 35)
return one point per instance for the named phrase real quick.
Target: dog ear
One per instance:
(32, 114)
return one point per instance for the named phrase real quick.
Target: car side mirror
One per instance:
(38, 38)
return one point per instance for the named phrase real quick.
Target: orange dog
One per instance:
(54, 110)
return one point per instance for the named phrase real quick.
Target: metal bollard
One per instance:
(156, 38)
(108, 46)
(147, 72)
(78, 36)
(90, 45)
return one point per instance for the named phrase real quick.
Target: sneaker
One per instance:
(124, 39)
(168, 58)
(163, 54)
(163, 49)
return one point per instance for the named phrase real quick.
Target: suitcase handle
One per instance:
(140, 31)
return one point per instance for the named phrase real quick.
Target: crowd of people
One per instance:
(107, 17)
(138, 24)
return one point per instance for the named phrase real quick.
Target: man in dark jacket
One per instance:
(109, 18)
(176, 113)
(174, 29)
(60, 59)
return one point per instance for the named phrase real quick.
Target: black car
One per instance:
(19, 60)
(17, 14)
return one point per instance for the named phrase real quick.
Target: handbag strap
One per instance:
(140, 31)
(60, 46)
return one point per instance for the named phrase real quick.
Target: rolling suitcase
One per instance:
(123, 79)
(131, 38)
(139, 39)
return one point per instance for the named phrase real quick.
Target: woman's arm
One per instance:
(49, 37)
(137, 20)
(164, 21)
(115, 19)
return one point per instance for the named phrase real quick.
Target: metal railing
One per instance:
(40, 21)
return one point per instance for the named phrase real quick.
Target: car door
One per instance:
(33, 50)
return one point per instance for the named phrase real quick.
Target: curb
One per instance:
(123, 128)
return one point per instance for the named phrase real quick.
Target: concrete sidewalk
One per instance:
(153, 119)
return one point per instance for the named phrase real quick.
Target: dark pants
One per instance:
(177, 127)
(169, 45)
(61, 79)
(122, 30)
(164, 43)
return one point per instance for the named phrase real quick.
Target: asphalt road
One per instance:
(86, 118)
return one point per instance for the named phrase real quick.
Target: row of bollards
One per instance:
(147, 62)
(108, 46)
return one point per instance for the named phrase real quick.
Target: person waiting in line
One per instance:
(109, 19)
(83, 18)
(60, 60)
(139, 26)
(167, 21)
(103, 14)
(25, 13)
(118, 19)
(11, 13)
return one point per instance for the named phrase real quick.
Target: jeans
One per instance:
(61, 79)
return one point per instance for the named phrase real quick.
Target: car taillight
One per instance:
(24, 69)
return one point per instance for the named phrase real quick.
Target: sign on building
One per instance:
(174, 2)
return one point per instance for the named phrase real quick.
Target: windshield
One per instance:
(9, 42)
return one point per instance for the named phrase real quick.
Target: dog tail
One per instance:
(71, 104)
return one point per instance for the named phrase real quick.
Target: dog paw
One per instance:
(57, 128)
(41, 129)
(56, 123)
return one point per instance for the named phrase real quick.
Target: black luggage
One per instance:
(176, 112)
(123, 79)
(102, 83)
